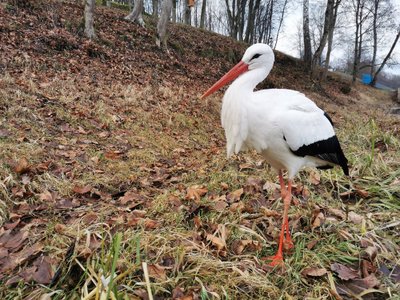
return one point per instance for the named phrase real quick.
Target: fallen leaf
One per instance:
(355, 218)
(156, 271)
(4, 133)
(113, 154)
(358, 286)
(318, 220)
(22, 166)
(311, 244)
(370, 253)
(47, 196)
(17, 240)
(224, 186)
(337, 213)
(344, 272)
(195, 192)
(270, 187)
(240, 245)
(216, 241)
(44, 272)
(151, 224)
(314, 178)
(82, 189)
(314, 272)
(220, 206)
(234, 196)
(15, 259)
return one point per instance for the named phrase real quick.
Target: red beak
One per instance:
(240, 68)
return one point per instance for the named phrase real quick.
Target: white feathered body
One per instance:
(275, 122)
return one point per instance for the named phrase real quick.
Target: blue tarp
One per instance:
(366, 78)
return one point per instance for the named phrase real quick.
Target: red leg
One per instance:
(277, 259)
(288, 240)
(282, 183)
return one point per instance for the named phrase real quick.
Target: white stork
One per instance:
(288, 129)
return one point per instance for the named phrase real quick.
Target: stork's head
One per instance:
(257, 56)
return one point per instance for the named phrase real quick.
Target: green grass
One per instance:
(186, 258)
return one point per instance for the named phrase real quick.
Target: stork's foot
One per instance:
(276, 260)
(288, 244)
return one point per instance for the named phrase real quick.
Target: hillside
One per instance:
(112, 166)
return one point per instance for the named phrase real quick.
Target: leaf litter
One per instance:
(89, 164)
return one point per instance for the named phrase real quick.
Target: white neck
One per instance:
(247, 82)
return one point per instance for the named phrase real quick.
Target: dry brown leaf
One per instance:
(314, 272)
(370, 252)
(16, 241)
(224, 186)
(318, 220)
(22, 166)
(82, 189)
(151, 224)
(314, 178)
(270, 187)
(234, 196)
(357, 286)
(156, 271)
(237, 207)
(355, 218)
(311, 244)
(344, 272)
(60, 228)
(48, 196)
(15, 259)
(240, 245)
(113, 154)
(269, 212)
(44, 272)
(195, 193)
(337, 213)
(216, 241)
(220, 206)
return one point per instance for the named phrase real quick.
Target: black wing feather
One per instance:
(328, 150)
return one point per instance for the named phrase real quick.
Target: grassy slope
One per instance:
(122, 119)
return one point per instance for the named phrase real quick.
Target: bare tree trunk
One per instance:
(241, 17)
(162, 25)
(203, 14)
(374, 36)
(358, 38)
(174, 11)
(155, 8)
(269, 22)
(136, 14)
(188, 13)
(373, 82)
(280, 23)
(330, 39)
(327, 23)
(306, 34)
(89, 12)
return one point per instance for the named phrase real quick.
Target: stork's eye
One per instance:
(255, 56)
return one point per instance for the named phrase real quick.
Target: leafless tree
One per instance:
(329, 12)
(203, 13)
(330, 37)
(155, 7)
(89, 13)
(282, 16)
(362, 13)
(162, 24)
(136, 14)
(306, 34)
(389, 54)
